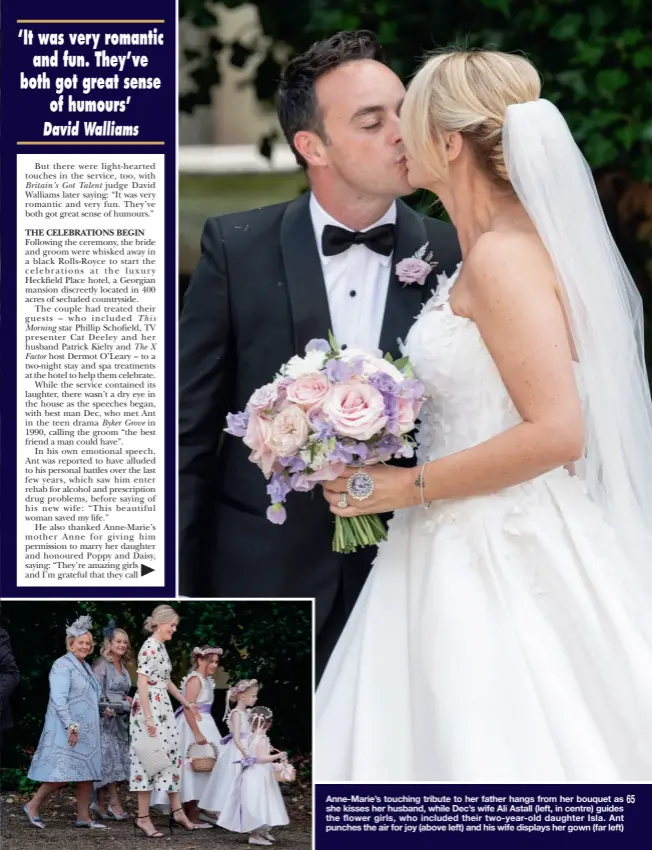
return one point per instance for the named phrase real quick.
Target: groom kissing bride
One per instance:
(271, 279)
(510, 604)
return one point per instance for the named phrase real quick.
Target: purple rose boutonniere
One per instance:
(415, 269)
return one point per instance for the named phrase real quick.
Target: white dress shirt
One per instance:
(356, 283)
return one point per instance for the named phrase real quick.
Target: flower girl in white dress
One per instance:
(255, 803)
(197, 687)
(244, 693)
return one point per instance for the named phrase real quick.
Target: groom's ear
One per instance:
(311, 147)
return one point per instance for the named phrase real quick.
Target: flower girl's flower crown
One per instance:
(239, 688)
(206, 650)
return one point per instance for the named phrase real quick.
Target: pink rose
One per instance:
(412, 270)
(290, 431)
(264, 397)
(259, 440)
(407, 414)
(308, 391)
(355, 410)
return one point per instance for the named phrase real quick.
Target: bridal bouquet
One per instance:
(325, 411)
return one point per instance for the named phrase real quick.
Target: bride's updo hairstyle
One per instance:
(465, 91)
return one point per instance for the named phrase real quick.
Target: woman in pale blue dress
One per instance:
(69, 749)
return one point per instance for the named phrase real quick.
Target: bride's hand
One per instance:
(394, 488)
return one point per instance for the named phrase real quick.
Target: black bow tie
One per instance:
(335, 240)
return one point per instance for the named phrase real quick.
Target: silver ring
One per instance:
(360, 486)
(342, 502)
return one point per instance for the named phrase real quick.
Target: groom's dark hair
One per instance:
(296, 102)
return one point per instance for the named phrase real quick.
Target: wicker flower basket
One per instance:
(202, 763)
(284, 771)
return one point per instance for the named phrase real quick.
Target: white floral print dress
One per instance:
(154, 662)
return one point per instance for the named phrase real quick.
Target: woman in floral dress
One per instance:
(152, 714)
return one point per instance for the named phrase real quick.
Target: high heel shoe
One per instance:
(96, 810)
(175, 822)
(137, 826)
(123, 816)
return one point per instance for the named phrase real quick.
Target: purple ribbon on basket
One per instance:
(204, 708)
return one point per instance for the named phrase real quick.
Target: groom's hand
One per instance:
(394, 488)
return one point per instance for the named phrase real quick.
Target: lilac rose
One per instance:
(412, 270)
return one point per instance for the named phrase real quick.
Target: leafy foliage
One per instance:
(270, 641)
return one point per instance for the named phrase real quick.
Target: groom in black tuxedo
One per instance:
(268, 281)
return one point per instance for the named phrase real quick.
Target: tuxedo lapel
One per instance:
(403, 301)
(305, 280)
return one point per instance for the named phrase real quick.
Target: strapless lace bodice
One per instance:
(467, 402)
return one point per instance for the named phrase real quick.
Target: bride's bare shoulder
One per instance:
(501, 260)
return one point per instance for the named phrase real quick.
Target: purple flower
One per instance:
(276, 514)
(412, 270)
(342, 453)
(264, 397)
(407, 450)
(322, 428)
(338, 371)
(301, 484)
(411, 388)
(391, 412)
(357, 365)
(363, 451)
(278, 488)
(293, 464)
(237, 423)
(384, 383)
(318, 345)
(388, 446)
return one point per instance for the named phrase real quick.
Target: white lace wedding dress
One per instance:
(493, 640)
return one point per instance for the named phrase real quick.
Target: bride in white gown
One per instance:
(504, 631)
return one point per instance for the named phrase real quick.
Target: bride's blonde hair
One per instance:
(465, 91)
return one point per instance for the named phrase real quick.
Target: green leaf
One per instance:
(389, 357)
(600, 150)
(599, 17)
(630, 37)
(574, 80)
(589, 53)
(500, 6)
(387, 32)
(628, 135)
(642, 58)
(611, 80)
(567, 27)
(333, 342)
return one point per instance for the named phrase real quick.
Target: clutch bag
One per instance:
(122, 707)
(151, 755)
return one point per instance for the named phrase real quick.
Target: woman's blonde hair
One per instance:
(107, 652)
(160, 615)
(70, 639)
(465, 91)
